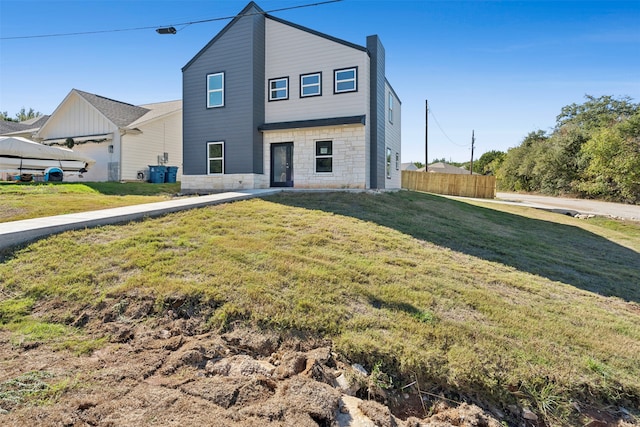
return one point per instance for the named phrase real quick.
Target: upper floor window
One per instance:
(324, 156)
(390, 108)
(215, 155)
(345, 80)
(215, 90)
(310, 85)
(279, 89)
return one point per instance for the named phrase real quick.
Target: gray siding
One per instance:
(238, 51)
(377, 112)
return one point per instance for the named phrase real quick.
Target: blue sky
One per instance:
(499, 68)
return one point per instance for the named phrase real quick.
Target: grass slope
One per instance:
(507, 306)
(28, 200)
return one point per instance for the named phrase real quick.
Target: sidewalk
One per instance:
(24, 231)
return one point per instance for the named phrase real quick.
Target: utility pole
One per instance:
(473, 141)
(426, 135)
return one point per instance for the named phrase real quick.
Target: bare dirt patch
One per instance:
(169, 370)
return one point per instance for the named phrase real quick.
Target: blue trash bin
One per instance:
(156, 174)
(171, 174)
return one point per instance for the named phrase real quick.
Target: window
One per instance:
(388, 162)
(324, 156)
(215, 90)
(345, 80)
(310, 85)
(215, 154)
(397, 161)
(390, 108)
(279, 89)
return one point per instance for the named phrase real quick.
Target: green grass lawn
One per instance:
(32, 200)
(500, 303)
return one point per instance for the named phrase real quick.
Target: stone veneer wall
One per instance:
(350, 166)
(215, 183)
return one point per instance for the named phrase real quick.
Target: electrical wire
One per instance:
(184, 24)
(442, 130)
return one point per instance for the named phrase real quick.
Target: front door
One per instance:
(282, 164)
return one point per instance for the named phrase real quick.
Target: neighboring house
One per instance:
(23, 129)
(123, 139)
(408, 166)
(269, 103)
(441, 167)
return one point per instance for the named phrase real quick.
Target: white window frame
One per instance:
(397, 161)
(275, 90)
(209, 159)
(209, 90)
(336, 81)
(390, 107)
(323, 156)
(303, 85)
(388, 161)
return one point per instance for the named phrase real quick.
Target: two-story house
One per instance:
(269, 103)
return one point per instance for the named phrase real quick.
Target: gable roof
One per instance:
(8, 127)
(258, 11)
(119, 113)
(157, 111)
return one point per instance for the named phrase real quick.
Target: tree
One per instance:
(596, 113)
(21, 115)
(419, 165)
(489, 162)
(5, 117)
(613, 158)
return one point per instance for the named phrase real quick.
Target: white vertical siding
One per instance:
(392, 137)
(76, 117)
(157, 137)
(292, 52)
(100, 153)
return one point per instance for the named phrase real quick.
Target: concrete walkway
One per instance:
(19, 232)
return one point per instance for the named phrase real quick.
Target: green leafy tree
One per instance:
(23, 115)
(596, 113)
(489, 162)
(613, 158)
(5, 117)
(516, 172)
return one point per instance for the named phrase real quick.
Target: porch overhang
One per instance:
(333, 121)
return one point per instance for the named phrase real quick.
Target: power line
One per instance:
(442, 130)
(183, 24)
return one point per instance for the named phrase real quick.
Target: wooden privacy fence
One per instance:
(480, 186)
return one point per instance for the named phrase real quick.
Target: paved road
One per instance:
(569, 205)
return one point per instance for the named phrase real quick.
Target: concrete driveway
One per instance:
(572, 206)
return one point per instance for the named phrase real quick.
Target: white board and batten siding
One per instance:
(75, 116)
(139, 151)
(292, 52)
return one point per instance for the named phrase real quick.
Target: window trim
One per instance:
(323, 156)
(286, 89)
(221, 73)
(390, 108)
(209, 143)
(319, 84)
(388, 163)
(336, 81)
(397, 161)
